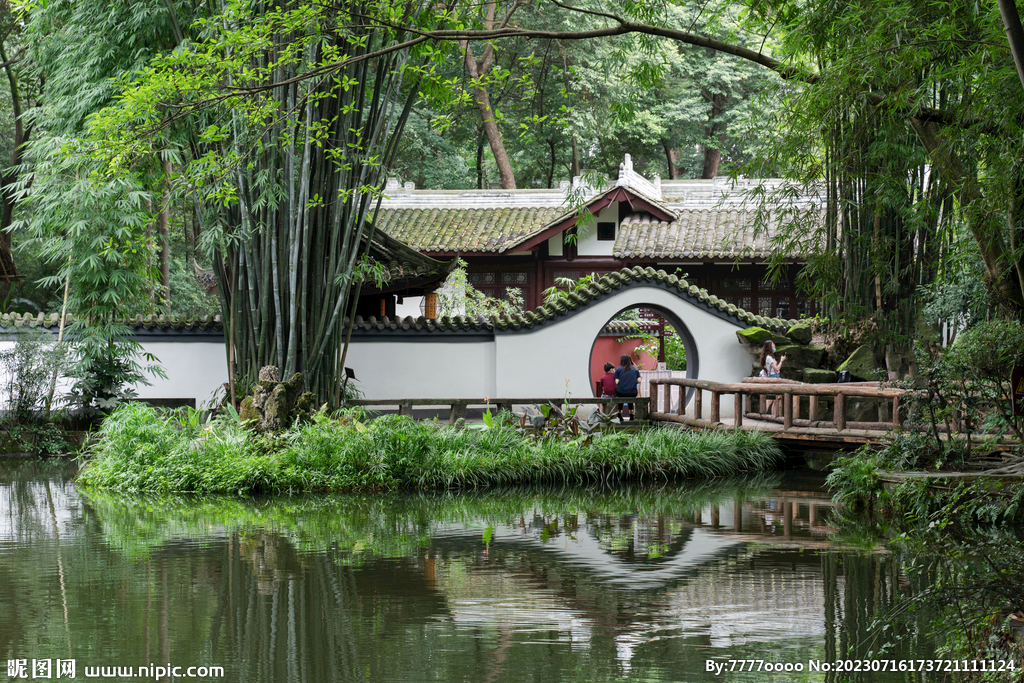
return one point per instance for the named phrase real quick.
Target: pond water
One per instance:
(641, 583)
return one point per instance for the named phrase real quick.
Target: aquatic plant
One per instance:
(140, 450)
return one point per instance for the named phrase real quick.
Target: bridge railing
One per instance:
(458, 406)
(783, 396)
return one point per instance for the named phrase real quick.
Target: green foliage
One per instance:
(31, 368)
(93, 230)
(968, 383)
(458, 297)
(140, 451)
(961, 543)
(188, 299)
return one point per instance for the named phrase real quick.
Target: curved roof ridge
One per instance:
(604, 286)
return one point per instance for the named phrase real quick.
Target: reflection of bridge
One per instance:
(641, 553)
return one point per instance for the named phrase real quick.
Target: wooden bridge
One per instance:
(793, 412)
(776, 406)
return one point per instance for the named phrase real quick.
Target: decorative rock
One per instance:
(270, 373)
(817, 376)
(800, 356)
(862, 363)
(275, 405)
(754, 336)
(800, 333)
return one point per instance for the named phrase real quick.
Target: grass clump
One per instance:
(140, 450)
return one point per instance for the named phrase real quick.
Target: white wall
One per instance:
(421, 368)
(537, 364)
(589, 245)
(194, 370)
(530, 364)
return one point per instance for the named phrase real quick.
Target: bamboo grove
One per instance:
(290, 115)
(288, 264)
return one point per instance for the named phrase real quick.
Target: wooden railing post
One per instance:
(897, 418)
(698, 404)
(716, 408)
(667, 391)
(738, 407)
(654, 396)
(681, 407)
(812, 408)
(839, 414)
(748, 402)
(787, 410)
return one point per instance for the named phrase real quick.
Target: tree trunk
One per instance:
(551, 166)
(481, 172)
(716, 132)
(671, 158)
(8, 269)
(164, 235)
(1014, 34)
(477, 70)
(983, 224)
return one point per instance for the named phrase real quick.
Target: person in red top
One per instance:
(608, 380)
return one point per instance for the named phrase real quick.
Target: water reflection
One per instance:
(630, 584)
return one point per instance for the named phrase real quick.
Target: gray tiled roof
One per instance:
(703, 233)
(598, 289)
(441, 229)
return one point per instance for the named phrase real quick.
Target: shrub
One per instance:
(139, 450)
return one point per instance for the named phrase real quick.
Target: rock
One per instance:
(755, 336)
(800, 356)
(818, 376)
(276, 405)
(862, 364)
(800, 333)
(270, 373)
(867, 410)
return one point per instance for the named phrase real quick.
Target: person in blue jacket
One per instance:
(627, 383)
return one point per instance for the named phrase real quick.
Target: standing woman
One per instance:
(769, 366)
(627, 378)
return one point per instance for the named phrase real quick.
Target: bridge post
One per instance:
(839, 414)
(654, 395)
(897, 418)
(458, 410)
(716, 407)
(812, 408)
(787, 410)
(667, 395)
(738, 408)
(698, 404)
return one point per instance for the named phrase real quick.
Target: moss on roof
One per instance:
(601, 287)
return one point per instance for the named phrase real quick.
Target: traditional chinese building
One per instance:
(705, 229)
